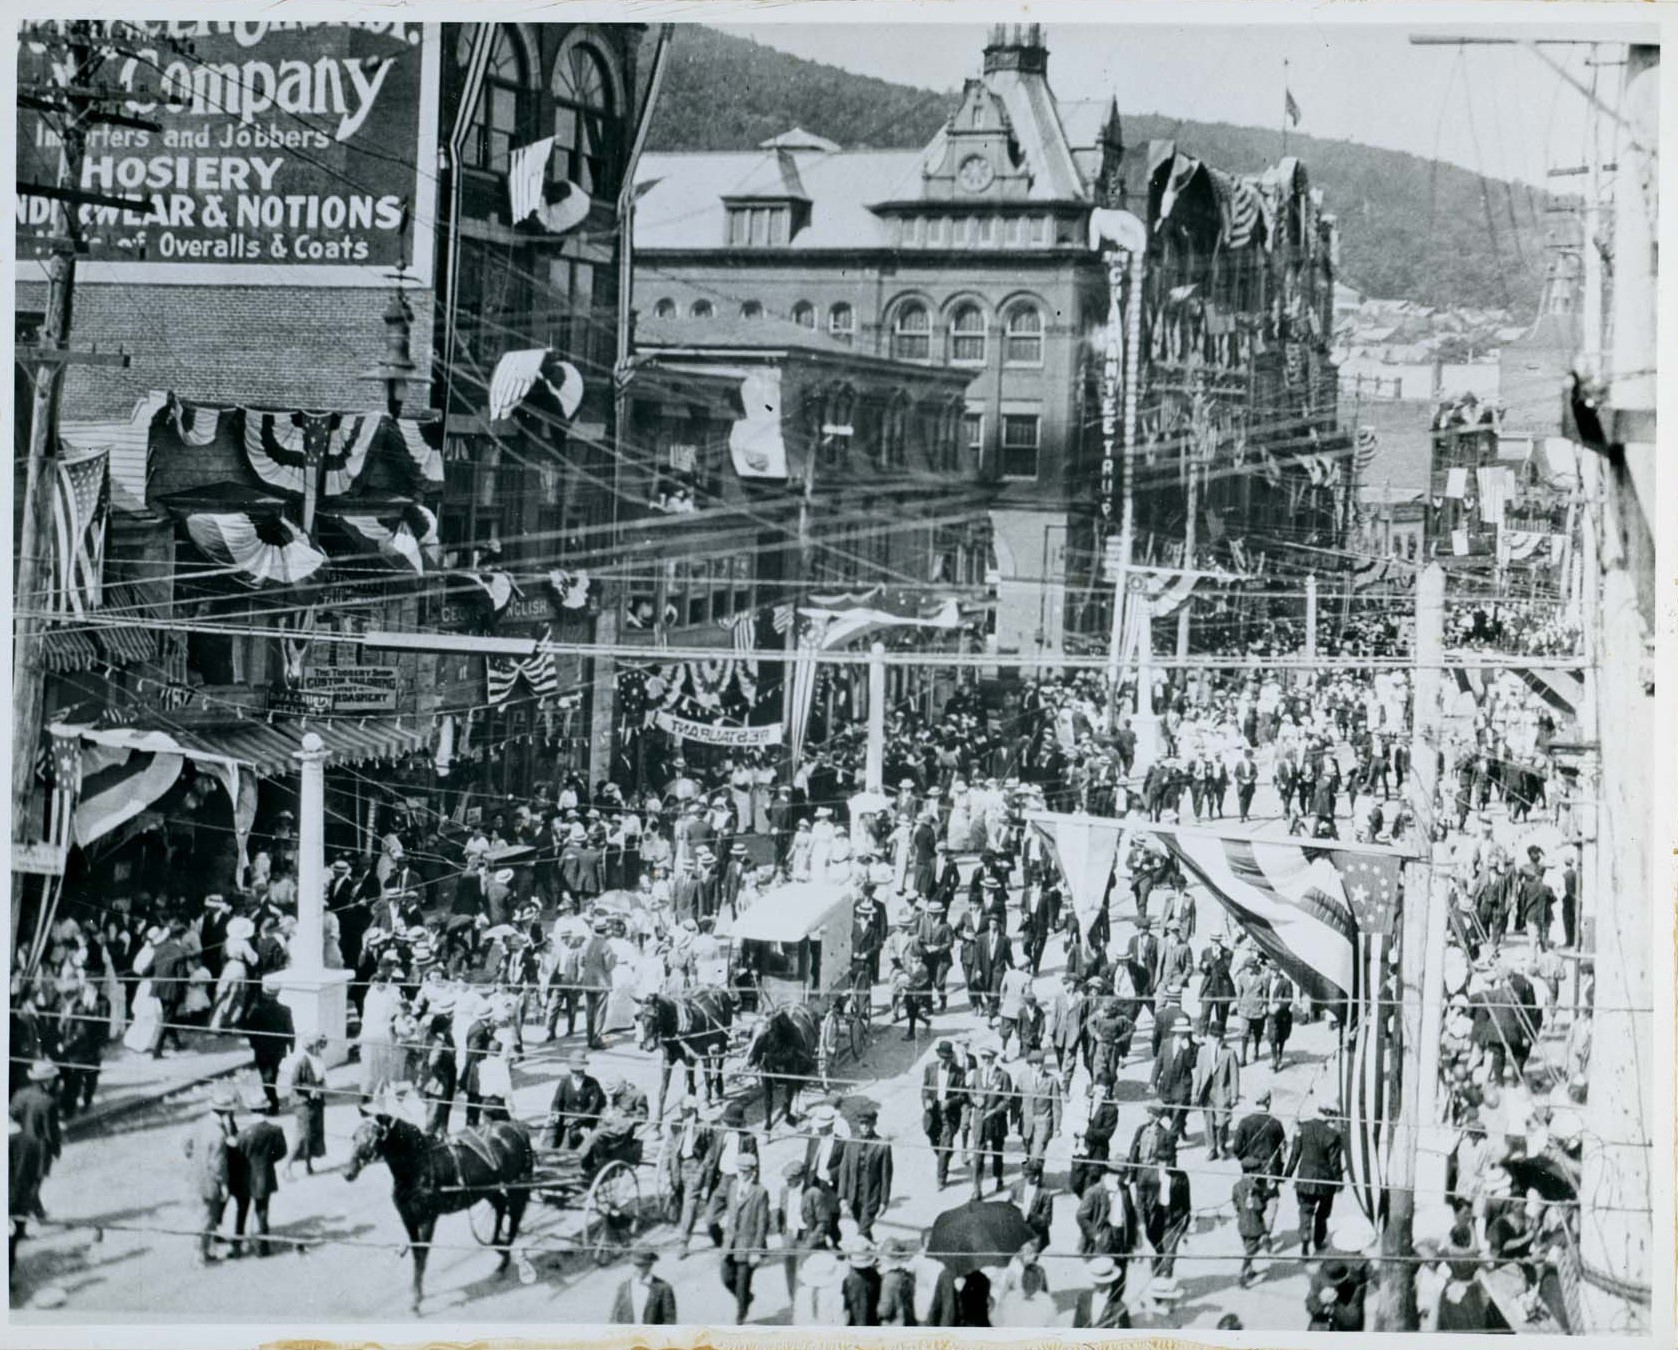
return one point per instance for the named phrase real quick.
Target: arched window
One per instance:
(911, 333)
(752, 309)
(665, 309)
(841, 324)
(700, 309)
(804, 314)
(1024, 343)
(501, 110)
(585, 121)
(967, 336)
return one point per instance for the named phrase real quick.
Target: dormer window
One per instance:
(759, 226)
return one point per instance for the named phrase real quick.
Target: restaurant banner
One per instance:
(709, 733)
(301, 148)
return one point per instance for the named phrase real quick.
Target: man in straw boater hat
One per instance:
(1102, 1305)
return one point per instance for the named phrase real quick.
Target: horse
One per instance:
(691, 1029)
(433, 1177)
(784, 1050)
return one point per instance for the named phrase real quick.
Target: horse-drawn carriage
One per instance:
(493, 1170)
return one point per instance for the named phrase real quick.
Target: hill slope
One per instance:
(1410, 228)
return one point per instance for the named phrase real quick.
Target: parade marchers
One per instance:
(467, 941)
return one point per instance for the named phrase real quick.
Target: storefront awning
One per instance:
(66, 651)
(272, 750)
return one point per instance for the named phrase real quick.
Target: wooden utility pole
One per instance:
(1201, 443)
(1395, 1287)
(74, 108)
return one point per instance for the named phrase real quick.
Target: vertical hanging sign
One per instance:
(1111, 379)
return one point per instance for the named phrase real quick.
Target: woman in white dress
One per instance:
(961, 830)
(821, 842)
(382, 1060)
(800, 851)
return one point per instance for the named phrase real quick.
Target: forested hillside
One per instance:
(1411, 228)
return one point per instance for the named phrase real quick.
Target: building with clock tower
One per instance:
(973, 252)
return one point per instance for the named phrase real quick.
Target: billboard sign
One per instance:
(287, 152)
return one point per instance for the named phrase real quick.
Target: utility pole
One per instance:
(75, 108)
(1311, 617)
(1201, 441)
(1422, 938)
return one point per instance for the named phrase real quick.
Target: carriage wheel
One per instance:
(611, 1211)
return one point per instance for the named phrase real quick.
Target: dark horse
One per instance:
(692, 1030)
(784, 1051)
(435, 1177)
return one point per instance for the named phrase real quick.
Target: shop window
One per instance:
(911, 334)
(1025, 337)
(1021, 436)
(585, 121)
(841, 324)
(967, 336)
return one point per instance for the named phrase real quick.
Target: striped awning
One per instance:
(126, 645)
(272, 750)
(70, 651)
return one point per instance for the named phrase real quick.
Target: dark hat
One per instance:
(644, 1257)
(1336, 1272)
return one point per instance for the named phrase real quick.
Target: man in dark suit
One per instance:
(943, 1091)
(993, 955)
(1034, 924)
(868, 939)
(936, 941)
(1035, 1200)
(684, 895)
(865, 1173)
(1317, 1164)
(1152, 1148)
(212, 931)
(252, 1181)
(924, 844)
(644, 1299)
(744, 1233)
(992, 1095)
(949, 875)
(578, 1103)
(1141, 956)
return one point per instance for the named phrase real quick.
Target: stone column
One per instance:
(318, 997)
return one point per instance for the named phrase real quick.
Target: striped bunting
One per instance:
(118, 784)
(743, 628)
(1368, 446)
(1563, 690)
(282, 448)
(1471, 682)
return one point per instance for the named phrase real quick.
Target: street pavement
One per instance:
(127, 1253)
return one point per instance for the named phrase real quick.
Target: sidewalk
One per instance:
(131, 1082)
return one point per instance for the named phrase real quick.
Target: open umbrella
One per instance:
(979, 1233)
(511, 853)
(1554, 1177)
(619, 902)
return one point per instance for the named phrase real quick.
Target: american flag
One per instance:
(66, 788)
(744, 628)
(1373, 1033)
(80, 504)
(539, 670)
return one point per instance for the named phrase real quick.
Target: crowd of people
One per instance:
(466, 935)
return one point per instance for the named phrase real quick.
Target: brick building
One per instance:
(264, 473)
(973, 252)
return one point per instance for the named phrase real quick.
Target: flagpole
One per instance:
(1286, 94)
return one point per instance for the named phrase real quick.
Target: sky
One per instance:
(1496, 110)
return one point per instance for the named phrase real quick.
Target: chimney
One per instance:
(1017, 47)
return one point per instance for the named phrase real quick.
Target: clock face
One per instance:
(975, 173)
